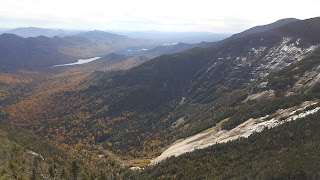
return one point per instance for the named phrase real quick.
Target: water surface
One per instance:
(80, 61)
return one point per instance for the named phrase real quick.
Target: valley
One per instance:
(239, 108)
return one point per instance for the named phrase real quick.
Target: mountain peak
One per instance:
(101, 35)
(35, 31)
(285, 20)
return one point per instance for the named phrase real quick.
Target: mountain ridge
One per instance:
(139, 112)
(263, 28)
(97, 35)
(35, 31)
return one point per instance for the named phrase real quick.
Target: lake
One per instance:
(80, 61)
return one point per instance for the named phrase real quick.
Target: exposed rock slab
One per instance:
(244, 130)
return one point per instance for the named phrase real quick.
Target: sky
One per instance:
(223, 16)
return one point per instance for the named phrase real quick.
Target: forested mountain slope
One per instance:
(284, 96)
(134, 112)
(138, 113)
(23, 155)
(287, 152)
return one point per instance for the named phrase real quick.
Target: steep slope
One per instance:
(299, 80)
(239, 62)
(270, 152)
(23, 155)
(287, 152)
(26, 156)
(137, 112)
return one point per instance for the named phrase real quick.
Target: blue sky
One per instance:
(224, 16)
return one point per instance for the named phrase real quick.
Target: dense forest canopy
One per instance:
(98, 119)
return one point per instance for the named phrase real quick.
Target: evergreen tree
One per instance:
(75, 170)
(33, 175)
(51, 172)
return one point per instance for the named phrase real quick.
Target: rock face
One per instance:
(261, 96)
(234, 66)
(308, 80)
(35, 154)
(280, 56)
(178, 123)
(244, 130)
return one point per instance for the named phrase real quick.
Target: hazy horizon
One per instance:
(111, 30)
(141, 15)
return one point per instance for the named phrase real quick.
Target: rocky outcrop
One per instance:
(244, 130)
(261, 96)
(307, 80)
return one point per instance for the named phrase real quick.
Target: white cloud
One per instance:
(178, 15)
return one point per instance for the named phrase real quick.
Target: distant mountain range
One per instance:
(179, 47)
(160, 37)
(102, 36)
(176, 37)
(34, 32)
(63, 48)
(39, 47)
(42, 51)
